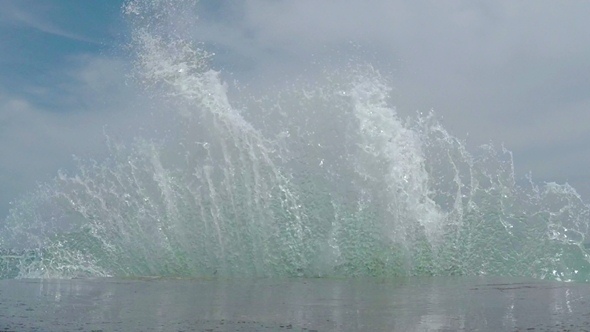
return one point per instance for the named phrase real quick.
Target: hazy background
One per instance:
(510, 72)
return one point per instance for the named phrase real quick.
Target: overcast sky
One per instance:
(511, 72)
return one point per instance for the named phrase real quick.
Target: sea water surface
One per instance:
(305, 304)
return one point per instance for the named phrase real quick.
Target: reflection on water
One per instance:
(429, 304)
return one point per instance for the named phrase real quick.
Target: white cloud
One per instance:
(37, 141)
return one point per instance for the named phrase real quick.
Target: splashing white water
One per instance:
(318, 181)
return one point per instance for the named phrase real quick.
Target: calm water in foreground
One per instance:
(427, 304)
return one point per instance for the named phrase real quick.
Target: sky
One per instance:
(511, 72)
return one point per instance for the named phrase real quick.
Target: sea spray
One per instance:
(321, 180)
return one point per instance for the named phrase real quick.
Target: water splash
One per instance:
(317, 181)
